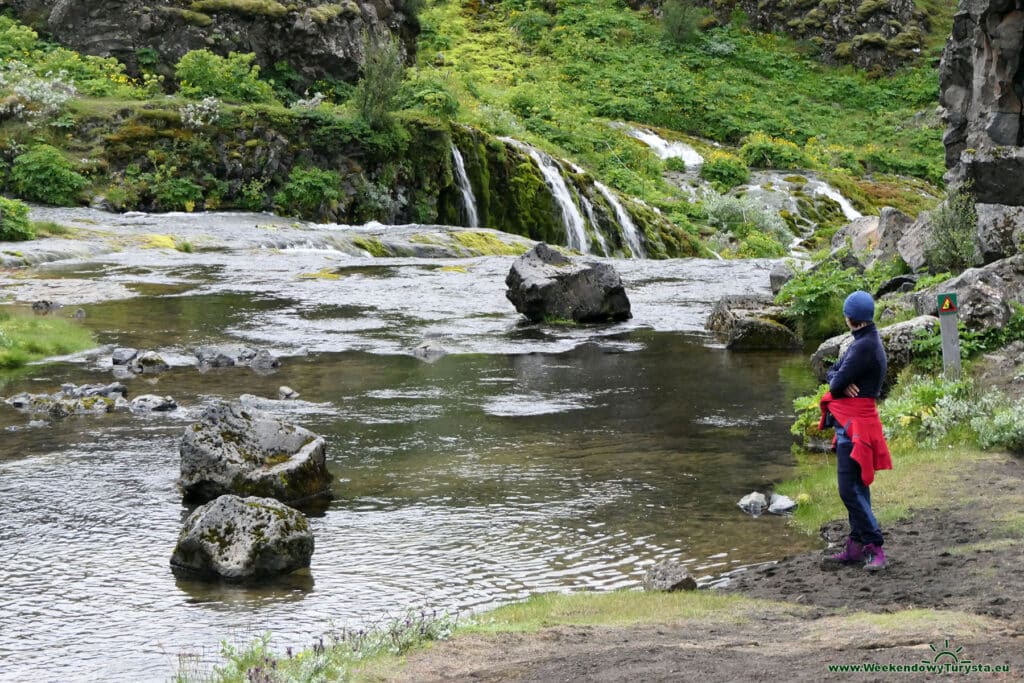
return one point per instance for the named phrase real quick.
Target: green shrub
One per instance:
(201, 73)
(308, 192)
(763, 151)
(952, 244)
(432, 96)
(14, 223)
(675, 164)
(759, 245)
(681, 20)
(725, 171)
(16, 40)
(1004, 429)
(42, 174)
(815, 298)
(174, 192)
(376, 95)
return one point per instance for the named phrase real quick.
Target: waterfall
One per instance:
(821, 187)
(575, 231)
(472, 219)
(662, 147)
(629, 230)
(588, 209)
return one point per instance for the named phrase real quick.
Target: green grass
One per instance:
(51, 229)
(24, 339)
(615, 608)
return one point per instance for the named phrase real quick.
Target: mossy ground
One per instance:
(24, 339)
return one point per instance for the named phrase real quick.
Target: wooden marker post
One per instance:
(950, 335)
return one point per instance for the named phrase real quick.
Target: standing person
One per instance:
(849, 406)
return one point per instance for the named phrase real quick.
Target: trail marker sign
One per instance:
(947, 303)
(949, 329)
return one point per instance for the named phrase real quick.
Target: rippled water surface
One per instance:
(531, 458)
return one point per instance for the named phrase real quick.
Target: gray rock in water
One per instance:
(430, 351)
(748, 322)
(88, 399)
(781, 505)
(264, 363)
(148, 363)
(544, 284)
(151, 403)
(284, 393)
(753, 503)
(243, 539)
(669, 576)
(234, 449)
(224, 355)
(123, 355)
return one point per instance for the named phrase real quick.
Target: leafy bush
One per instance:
(763, 151)
(43, 174)
(759, 245)
(432, 96)
(308, 191)
(927, 346)
(1004, 429)
(815, 298)
(681, 20)
(383, 72)
(235, 78)
(952, 244)
(14, 223)
(725, 171)
(25, 96)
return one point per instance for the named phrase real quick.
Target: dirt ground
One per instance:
(954, 562)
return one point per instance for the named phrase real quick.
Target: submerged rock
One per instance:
(243, 539)
(753, 503)
(233, 449)
(286, 392)
(669, 576)
(123, 355)
(148, 363)
(544, 284)
(151, 403)
(430, 351)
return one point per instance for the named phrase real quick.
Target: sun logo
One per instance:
(946, 655)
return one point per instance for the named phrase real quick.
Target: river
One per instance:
(530, 458)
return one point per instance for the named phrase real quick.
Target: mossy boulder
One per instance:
(751, 322)
(236, 450)
(243, 539)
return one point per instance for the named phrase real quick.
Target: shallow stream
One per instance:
(531, 458)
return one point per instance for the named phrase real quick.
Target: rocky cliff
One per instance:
(866, 33)
(982, 82)
(308, 41)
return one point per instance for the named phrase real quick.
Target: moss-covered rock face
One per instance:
(243, 539)
(313, 40)
(866, 33)
(235, 451)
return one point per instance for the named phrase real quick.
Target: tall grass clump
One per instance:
(376, 96)
(24, 339)
(681, 20)
(952, 244)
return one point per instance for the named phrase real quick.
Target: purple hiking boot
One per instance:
(875, 557)
(852, 553)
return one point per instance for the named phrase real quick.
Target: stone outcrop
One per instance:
(315, 40)
(982, 98)
(239, 450)
(984, 295)
(544, 284)
(897, 340)
(866, 33)
(751, 322)
(88, 399)
(232, 355)
(243, 539)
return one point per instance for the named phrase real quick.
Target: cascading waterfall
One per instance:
(588, 209)
(575, 226)
(629, 230)
(462, 179)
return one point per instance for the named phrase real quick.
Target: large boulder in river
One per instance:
(751, 322)
(243, 539)
(234, 449)
(897, 340)
(544, 284)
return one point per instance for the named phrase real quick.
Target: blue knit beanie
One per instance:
(859, 307)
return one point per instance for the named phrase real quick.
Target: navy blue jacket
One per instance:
(863, 364)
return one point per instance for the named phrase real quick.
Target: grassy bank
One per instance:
(24, 339)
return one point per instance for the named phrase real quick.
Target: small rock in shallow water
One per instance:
(753, 503)
(430, 351)
(781, 505)
(285, 393)
(668, 576)
(151, 403)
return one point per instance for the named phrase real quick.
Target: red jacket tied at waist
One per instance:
(859, 416)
